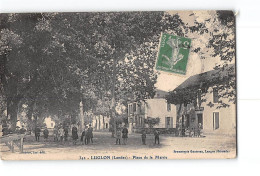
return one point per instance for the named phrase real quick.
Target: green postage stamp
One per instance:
(173, 54)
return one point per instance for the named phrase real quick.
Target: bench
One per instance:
(13, 139)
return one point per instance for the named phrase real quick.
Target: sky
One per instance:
(196, 64)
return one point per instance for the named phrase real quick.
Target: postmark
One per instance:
(173, 54)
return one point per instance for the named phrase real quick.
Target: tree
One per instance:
(151, 122)
(52, 61)
(218, 30)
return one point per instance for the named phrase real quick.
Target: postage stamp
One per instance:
(173, 54)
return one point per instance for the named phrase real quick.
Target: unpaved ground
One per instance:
(214, 146)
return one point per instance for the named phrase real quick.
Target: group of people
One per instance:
(124, 135)
(61, 133)
(8, 130)
(37, 133)
(87, 135)
(156, 137)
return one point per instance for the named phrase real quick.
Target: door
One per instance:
(215, 120)
(200, 120)
(168, 122)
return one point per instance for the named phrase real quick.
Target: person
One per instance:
(17, 130)
(45, 134)
(156, 137)
(55, 134)
(22, 130)
(118, 136)
(82, 138)
(143, 137)
(199, 129)
(125, 135)
(87, 136)
(74, 134)
(90, 129)
(66, 133)
(61, 134)
(5, 129)
(37, 133)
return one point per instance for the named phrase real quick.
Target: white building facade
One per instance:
(154, 108)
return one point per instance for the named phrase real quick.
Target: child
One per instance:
(143, 137)
(118, 136)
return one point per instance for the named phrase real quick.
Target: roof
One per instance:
(211, 77)
(186, 91)
(160, 93)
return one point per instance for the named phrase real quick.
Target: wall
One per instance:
(158, 108)
(99, 122)
(227, 116)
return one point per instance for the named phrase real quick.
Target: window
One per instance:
(169, 108)
(129, 109)
(168, 121)
(51, 124)
(215, 95)
(134, 107)
(215, 120)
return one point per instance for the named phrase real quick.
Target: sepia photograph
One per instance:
(129, 85)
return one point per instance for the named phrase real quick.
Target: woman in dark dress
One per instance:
(74, 134)
(45, 134)
(124, 135)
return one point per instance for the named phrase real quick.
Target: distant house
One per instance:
(197, 102)
(155, 107)
(101, 122)
(49, 122)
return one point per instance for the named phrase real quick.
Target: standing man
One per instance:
(66, 133)
(118, 136)
(55, 134)
(143, 137)
(156, 137)
(90, 129)
(86, 134)
(61, 134)
(125, 135)
(37, 133)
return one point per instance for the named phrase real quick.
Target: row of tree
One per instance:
(49, 62)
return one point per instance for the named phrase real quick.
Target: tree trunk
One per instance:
(178, 117)
(29, 116)
(113, 99)
(12, 110)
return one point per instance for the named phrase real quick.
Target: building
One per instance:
(199, 103)
(156, 107)
(101, 122)
(50, 123)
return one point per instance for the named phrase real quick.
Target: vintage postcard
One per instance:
(118, 85)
